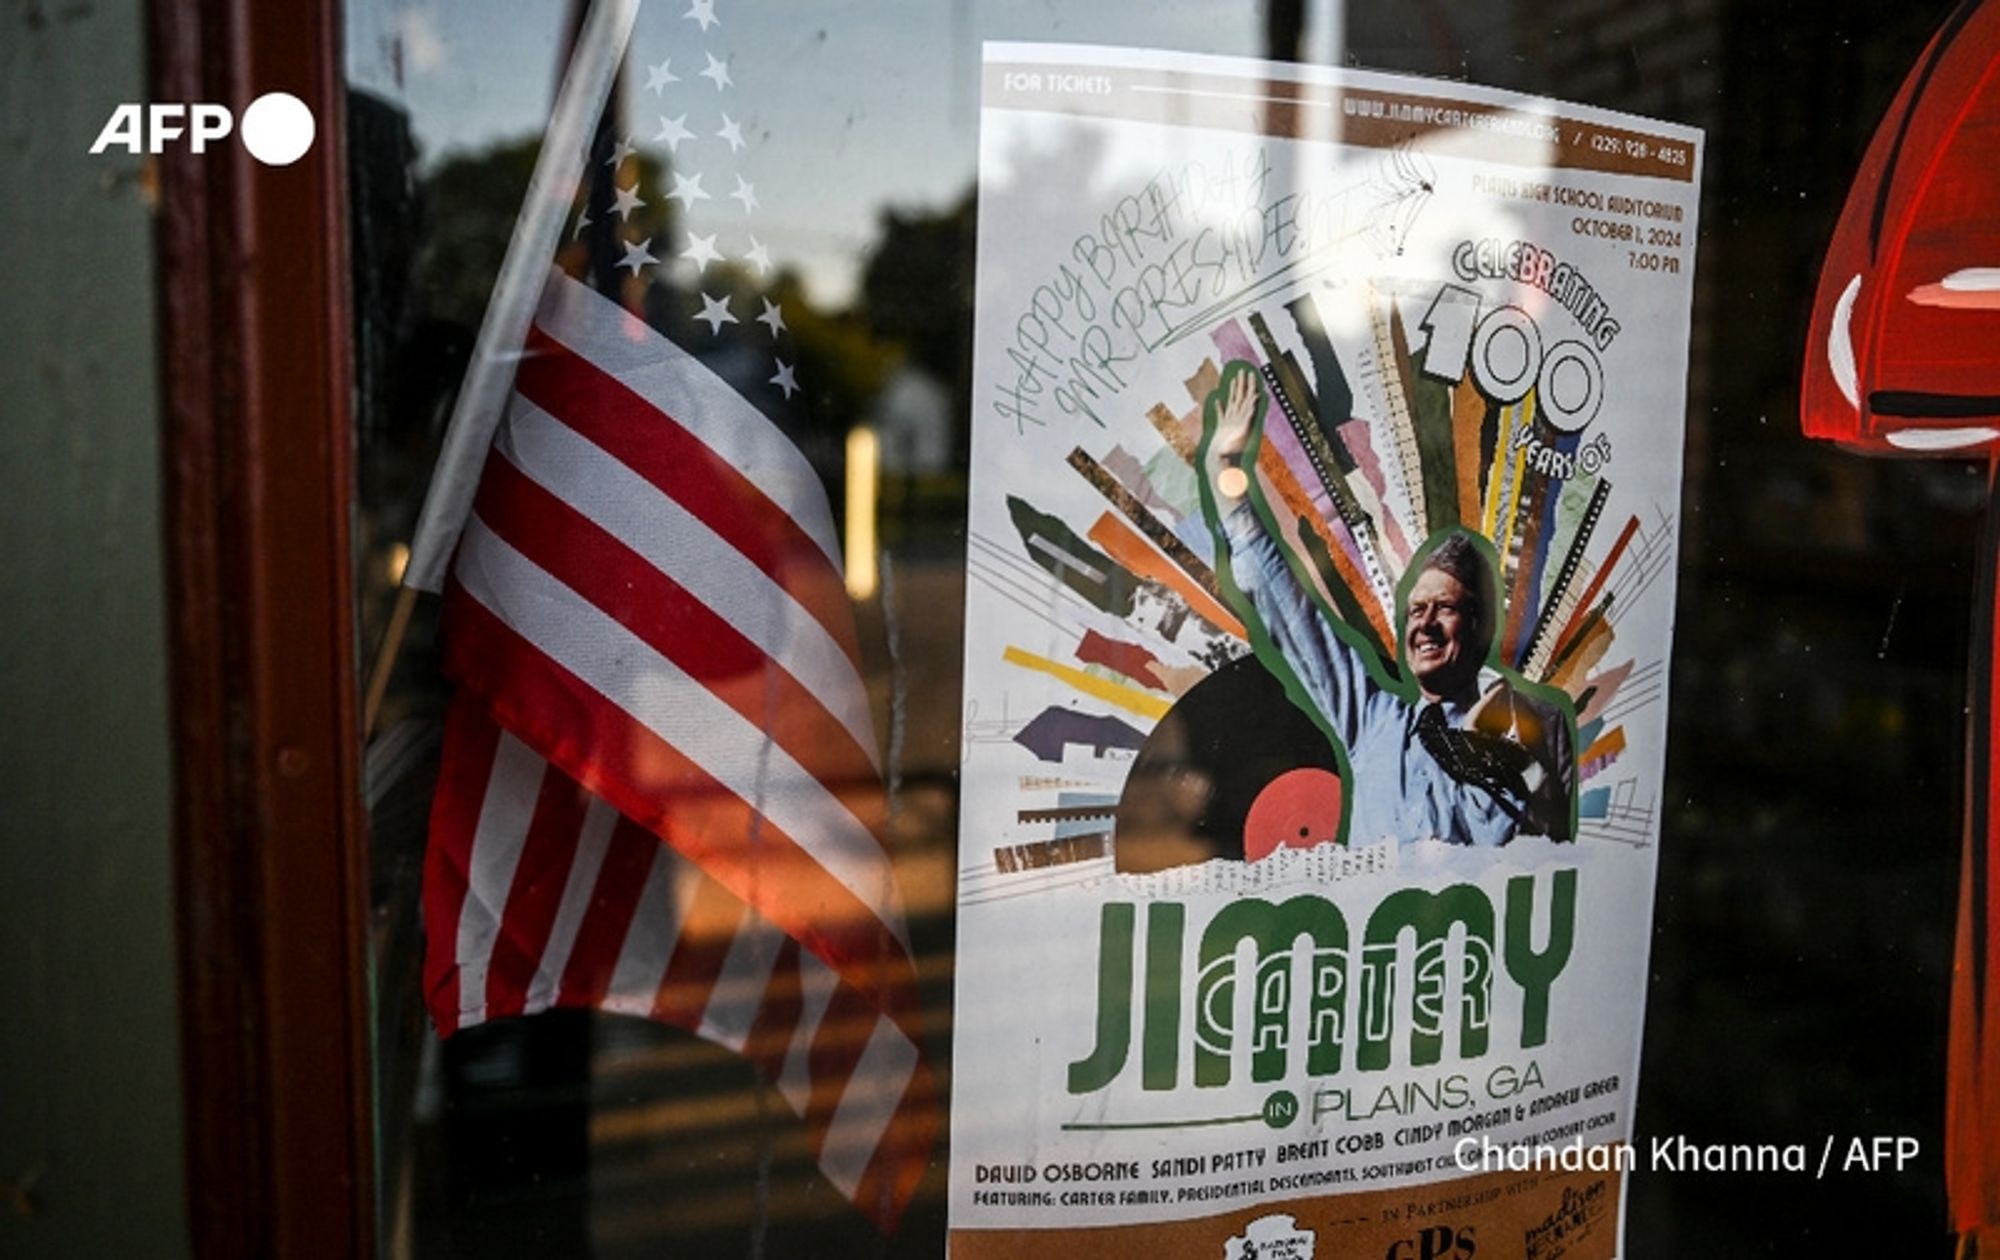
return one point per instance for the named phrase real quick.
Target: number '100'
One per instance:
(1503, 349)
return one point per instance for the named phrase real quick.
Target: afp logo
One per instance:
(1439, 1242)
(277, 128)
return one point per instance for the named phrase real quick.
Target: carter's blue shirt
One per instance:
(1399, 790)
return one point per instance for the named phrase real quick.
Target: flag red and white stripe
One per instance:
(652, 643)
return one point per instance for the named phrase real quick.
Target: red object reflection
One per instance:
(1904, 353)
(1904, 357)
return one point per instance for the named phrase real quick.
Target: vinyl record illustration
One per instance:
(1234, 770)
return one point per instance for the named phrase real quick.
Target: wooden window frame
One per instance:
(256, 346)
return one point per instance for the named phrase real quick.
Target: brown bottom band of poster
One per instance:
(1501, 1215)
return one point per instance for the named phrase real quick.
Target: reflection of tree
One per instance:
(405, 366)
(469, 205)
(916, 305)
(917, 291)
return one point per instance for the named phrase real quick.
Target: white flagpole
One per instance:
(586, 86)
(593, 67)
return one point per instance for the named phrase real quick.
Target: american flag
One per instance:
(660, 792)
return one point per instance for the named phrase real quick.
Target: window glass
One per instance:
(827, 154)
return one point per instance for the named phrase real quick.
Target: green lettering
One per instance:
(1114, 1003)
(1274, 931)
(1160, 1045)
(1536, 973)
(1430, 916)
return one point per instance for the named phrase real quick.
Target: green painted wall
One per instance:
(89, 1066)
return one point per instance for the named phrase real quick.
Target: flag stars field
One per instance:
(637, 255)
(702, 249)
(687, 190)
(627, 201)
(718, 71)
(672, 132)
(685, 185)
(772, 318)
(715, 313)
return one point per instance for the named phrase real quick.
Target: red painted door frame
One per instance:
(255, 360)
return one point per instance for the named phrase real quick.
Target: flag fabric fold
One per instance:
(660, 792)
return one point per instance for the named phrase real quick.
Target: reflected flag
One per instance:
(660, 793)
(652, 642)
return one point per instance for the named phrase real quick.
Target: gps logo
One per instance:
(1439, 1242)
(277, 128)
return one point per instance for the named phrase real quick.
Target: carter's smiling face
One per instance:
(1441, 635)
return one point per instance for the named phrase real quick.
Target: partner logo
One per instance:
(277, 128)
(1439, 1242)
(1270, 1238)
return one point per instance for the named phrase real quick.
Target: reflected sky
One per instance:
(859, 104)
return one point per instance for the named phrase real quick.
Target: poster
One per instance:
(1326, 459)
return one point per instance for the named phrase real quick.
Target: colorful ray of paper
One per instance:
(1602, 691)
(1131, 699)
(1139, 556)
(1146, 523)
(1126, 659)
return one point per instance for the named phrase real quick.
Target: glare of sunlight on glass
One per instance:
(864, 477)
(398, 561)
